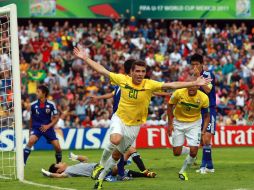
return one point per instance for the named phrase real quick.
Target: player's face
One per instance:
(138, 74)
(196, 66)
(61, 167)
(192, 91)
(39, 94)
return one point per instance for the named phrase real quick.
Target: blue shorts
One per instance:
(50, 134)
(212, 125)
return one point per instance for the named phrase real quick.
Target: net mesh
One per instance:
(7, 137)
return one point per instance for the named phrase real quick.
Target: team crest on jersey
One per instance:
(47, 110)
(198, 101)
(37, 112)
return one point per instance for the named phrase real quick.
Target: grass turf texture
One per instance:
(234, 170)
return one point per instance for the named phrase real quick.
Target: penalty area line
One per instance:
(43, 185)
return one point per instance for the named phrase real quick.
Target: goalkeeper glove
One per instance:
(45, 172)
(72, 156)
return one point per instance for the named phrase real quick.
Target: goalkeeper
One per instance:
(82, 169)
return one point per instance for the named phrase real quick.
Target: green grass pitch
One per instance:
(234, 170)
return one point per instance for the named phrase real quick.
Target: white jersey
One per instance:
(80, 169)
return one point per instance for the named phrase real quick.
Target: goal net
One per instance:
(11, 153)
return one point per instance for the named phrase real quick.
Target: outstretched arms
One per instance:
(175, 85)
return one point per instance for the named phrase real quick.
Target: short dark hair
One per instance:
(127, 65)
(44, 90)
(53, 168)
(138, 63)
(197, 57)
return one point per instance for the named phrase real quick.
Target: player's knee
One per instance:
(207, 139)
(31, 142)
(116, 155)
(116, 139)
(58, 149)
(177, 152)
(132, 150)
(193, 154)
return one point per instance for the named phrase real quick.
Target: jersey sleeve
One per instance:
(116, 79)
(53, 109)
(174, 98)
(155, 85)
(206, 102)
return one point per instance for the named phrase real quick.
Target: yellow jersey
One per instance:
(135, 99)
(188, 108)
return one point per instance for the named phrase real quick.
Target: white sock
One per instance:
(107, 153)
(185, 150)
(187, 162)
(108, 166)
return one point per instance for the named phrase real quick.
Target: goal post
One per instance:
(9, 15)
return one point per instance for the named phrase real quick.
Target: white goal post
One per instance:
(9, 15)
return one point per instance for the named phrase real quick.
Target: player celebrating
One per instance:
(187, 123)
(43, 118)
(132, 152)
(136, 93)
(197, 64)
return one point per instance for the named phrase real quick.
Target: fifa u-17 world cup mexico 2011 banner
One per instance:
(149, 137)
(142, 9)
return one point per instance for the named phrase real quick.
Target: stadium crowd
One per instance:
(46, 57)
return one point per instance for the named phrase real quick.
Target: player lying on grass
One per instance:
(83, 169)
(187, 104)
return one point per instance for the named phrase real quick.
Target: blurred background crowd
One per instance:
(46, 57)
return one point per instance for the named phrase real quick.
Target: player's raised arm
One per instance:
(175, 85)
(95, 66)
(102, 97)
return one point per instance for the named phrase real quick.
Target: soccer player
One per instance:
(43, 118)
(132, 152)
(82, 169)
(187, 104)
(197, 64)
(136, 93)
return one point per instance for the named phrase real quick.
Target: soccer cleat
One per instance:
(201, 170)
(98, 184)
(149, 173)
(183, 176)
(96, 171)
(209, 170)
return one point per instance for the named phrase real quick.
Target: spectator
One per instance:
(46, 57)
(240, 100)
